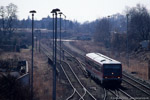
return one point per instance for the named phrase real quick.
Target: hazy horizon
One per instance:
(85, 10)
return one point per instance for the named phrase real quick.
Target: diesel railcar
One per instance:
(103, 68)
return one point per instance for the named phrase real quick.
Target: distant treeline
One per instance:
(110, 30)
(118, 31)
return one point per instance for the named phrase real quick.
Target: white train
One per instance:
(103, 68)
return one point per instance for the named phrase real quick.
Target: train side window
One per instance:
(97, 67)
(100, 69)
(89, 62)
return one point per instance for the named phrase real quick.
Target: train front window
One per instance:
(112, 69)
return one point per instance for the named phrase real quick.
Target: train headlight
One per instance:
(105, 77)
(112, 73)
(118, 77)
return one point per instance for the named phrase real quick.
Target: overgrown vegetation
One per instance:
(11, 37)
(8, 19)
(12, 89)
(138, 29)
(139, 26)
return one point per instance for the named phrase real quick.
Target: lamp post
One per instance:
(53, 35)
(32, 64)
(127, 53)
(65, 21)
(60, 13)
(54, 11)
(65, 32)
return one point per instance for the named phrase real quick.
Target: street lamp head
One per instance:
(127, 15)
(60, 13)
(64, 15)
(55, 10)
(32, 11)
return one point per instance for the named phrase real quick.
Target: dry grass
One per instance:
(139, 67)
(42, 72)
(89, 46)
(42, 77)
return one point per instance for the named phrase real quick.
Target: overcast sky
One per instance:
(80, 10)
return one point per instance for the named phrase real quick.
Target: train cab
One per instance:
(112, 73)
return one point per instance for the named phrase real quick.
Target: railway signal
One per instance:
(32, 64)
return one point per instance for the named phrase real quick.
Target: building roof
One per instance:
(102, 59)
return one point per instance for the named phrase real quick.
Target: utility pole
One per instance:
(32, 64)
(109, 34)
(127, 53)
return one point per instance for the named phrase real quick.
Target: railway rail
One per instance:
(133, 82)
(119, 93)
(141, 87)
(82, 91)
(70, 82)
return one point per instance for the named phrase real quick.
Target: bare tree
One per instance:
(11, 17)
(139, 25)
(8, 18)
(102, 33)
(2, 19)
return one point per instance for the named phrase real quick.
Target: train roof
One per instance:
(102, 59)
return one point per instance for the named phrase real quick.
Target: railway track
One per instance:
(120, 94)
(74, 79)
(144, 90)
(117, 94)
(75, 91)
(78, 92)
